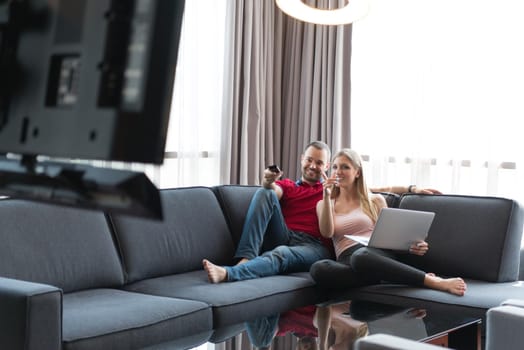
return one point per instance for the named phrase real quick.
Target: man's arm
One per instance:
(269, 181)
(405, 189)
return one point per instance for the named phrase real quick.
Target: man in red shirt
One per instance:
(281, 231)
(283, 218)
(298, 322)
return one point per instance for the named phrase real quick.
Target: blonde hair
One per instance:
(366, 204)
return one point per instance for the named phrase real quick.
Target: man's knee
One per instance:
(265, 194)
(279, 256)
(282, 253)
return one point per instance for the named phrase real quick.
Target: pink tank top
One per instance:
(355, 222)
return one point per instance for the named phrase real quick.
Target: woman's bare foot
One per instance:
(215, 273)
(455, 285)
(242, 261)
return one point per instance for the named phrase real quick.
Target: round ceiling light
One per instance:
(350, 12)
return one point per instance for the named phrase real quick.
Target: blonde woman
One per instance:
(348, 207)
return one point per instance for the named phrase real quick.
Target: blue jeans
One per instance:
(269, 245)
(262, 330)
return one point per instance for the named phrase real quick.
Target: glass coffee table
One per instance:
(443, 327)
(339, 324)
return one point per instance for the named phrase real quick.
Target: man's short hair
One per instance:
(321, 146)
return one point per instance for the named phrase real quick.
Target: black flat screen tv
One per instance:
(88, 79)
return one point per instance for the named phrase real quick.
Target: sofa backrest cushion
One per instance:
(471, 236)
(392, 199)
(193, 228)
(235, 200)
(68, 248)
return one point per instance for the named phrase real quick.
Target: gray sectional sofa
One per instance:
(79, 279)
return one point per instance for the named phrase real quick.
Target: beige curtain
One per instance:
(287, 83)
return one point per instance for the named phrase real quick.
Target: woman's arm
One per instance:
(322, 320)
(325, 208)
(325, 216)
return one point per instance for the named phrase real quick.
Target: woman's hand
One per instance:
(419, 248)
(329, 183)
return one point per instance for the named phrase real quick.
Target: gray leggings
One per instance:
(359, 266)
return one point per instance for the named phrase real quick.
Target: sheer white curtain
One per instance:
(192, 149)
(438, 94)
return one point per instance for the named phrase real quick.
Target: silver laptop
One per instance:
(398, 229)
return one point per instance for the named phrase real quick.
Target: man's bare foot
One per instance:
(215, 273)
(242, 261)
(455, 285)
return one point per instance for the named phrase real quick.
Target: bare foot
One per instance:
(455, 285)
(242, 261)
(215, 273)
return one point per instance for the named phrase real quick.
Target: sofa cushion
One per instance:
(392, 199)
(234, 302)
(479, 297)
(193, 228)
(69, 248)
(471, 236)
(235, 200)
(116, 319)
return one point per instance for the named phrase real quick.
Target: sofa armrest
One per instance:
(31, 316)
(521, 265)
(504, 327)
(513, 302)
(391, 342)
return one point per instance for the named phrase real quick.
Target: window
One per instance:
(437, 94)
(192, 148)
